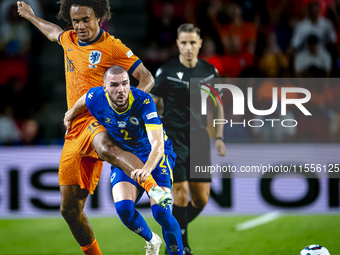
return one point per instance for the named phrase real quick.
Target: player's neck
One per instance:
(188, 63)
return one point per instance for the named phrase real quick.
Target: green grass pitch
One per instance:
(208, 236)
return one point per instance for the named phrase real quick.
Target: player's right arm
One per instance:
(78, 107)
(50, 30)
(159, 90)
(155, 136)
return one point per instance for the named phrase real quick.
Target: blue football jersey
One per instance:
(128, 128)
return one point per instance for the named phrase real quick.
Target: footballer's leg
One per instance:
(200, 192)
(180, 206)
(79, 172)
(171, 230)
(180, 179)
(125, 193)
(73, 200)
(170, 227)
(107, 150)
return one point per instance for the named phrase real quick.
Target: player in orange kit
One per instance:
(89, 51)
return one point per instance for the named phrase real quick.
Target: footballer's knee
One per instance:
(126, 210)
(109, 152)
(70, 214)
(200, 199)
(200, 202)
(181, 193)
(73, 200)
(105, 148)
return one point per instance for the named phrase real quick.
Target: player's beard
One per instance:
(119, 105)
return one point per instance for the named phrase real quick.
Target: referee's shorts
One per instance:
(200, 146)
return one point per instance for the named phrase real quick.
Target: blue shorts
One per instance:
(162, 173)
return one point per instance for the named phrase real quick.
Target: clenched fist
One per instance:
(24, 10)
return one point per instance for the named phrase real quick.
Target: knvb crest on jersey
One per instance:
(94, 58)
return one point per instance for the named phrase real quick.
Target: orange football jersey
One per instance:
(85, 63)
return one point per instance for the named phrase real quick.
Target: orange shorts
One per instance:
(79, 161)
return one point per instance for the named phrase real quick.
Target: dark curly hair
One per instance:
(101, 9)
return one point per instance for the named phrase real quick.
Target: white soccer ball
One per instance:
(315, 249)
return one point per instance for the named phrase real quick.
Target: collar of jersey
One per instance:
(131, 100)
(97, 38)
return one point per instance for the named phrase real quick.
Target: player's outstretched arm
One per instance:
(78, 107)
(50, 30)
(219, 144)
(157, 151)
(146, 80)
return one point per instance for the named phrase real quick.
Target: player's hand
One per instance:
(24, 10)
(68, 119)
(140, 175)
(220, 146)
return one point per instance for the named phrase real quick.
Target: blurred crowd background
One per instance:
(246, 38)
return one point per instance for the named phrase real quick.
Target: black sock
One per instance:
(181, 215)
(192, 212)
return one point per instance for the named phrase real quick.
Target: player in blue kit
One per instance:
(130, 117)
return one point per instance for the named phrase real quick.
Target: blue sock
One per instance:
(132, 219)
(170, 228)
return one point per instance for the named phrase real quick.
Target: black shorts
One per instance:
(181, 145)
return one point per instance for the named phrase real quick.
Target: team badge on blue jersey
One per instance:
(95, 57)
(134, 121)
(121, 124)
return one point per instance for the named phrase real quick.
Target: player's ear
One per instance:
(200, 43)
(104, 87)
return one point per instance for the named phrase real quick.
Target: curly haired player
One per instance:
(88, 52)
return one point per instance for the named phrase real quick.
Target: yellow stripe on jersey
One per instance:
(150, 127)
(131, 99)
(171, 176)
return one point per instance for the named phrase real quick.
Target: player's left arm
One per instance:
(219, 143)
(220, 146)
(157, 150)
(78, 107)
(146, 80)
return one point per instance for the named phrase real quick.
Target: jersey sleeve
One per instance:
(160, 88)
(93, 98)
(150, 116)
(62, 38)
(124, 57)
(215, 71)
(215, 74)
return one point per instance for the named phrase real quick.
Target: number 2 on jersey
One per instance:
(126, 134)
(162, 162)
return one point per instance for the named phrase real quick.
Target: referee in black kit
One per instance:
(172, 83)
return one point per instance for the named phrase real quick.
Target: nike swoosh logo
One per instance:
(69, 50)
